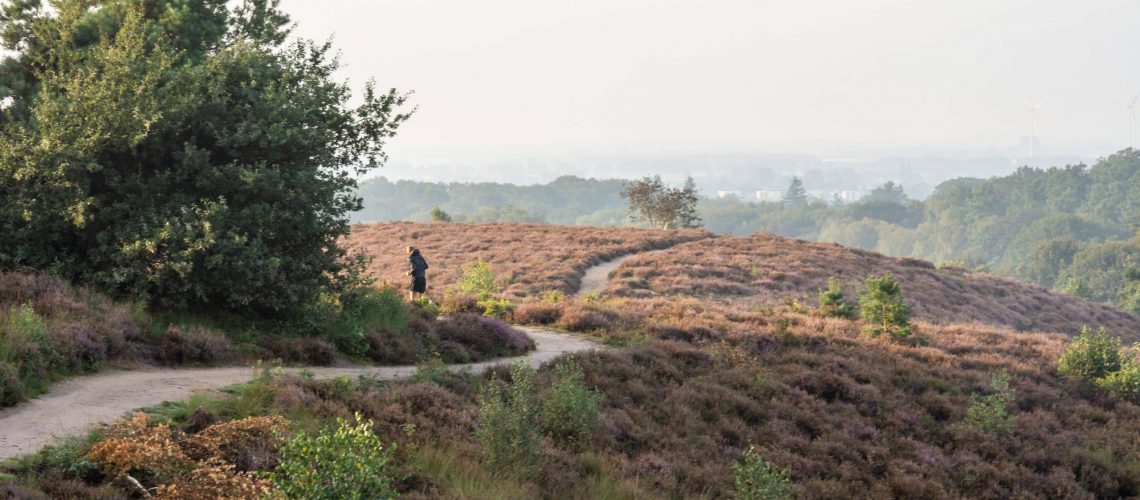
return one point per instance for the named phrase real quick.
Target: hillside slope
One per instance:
(765, 270)
(528, 258)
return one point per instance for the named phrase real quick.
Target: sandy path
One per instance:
(597, 277)
(73, 406)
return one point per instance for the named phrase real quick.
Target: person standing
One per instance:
(418, 272)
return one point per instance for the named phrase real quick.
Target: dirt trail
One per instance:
(73, 406)
(597, 277)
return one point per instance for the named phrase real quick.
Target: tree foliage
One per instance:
(795, 195)
(660, 206)
(883, 308)
(181, 153)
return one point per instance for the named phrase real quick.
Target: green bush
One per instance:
(508, 423)
(756, 479)
(570, 410)
(1125, 382)
(1090, 356)
(478, 280)
(990, 413)
(347, 463)
(883, 307)
(497, 308)
(831, 303)
(365, 310)
(203, 168)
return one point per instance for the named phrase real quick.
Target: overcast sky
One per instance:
(500, 79)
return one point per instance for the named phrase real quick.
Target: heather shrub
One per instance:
(756, 479)
(483, 337)
(349, 462)
(192, 345)
(455, 302)
(537, 313)
(831, 303)
(1090, 356)
(508, 426)
(579, 318)
(883, 308)
(990, 413)
(570, 409)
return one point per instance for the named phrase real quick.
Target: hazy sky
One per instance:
(501, 79)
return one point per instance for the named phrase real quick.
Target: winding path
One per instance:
(73, 406)
(597, 277)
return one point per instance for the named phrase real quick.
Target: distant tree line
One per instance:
(1072, 228)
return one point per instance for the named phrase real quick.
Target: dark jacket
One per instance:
(419, 265)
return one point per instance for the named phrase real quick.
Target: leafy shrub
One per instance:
(347, 463)
(498, 309)
(570, 410)
(990, 413)
(1125, 382)
(508, 423)
(364, 310)
(756, 479)
(883, 307)
(432, 370)
(831, 303)
(478, 280)
(1090, 356)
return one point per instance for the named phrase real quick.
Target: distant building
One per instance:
(728, 194)
(766, 195)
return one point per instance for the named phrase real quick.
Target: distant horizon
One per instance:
(513, 79)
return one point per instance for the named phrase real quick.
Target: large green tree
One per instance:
(180, 152)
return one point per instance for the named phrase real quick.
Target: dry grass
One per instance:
(527, 258)
(765, 270)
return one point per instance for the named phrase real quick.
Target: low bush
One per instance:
(1090, 356)
(497, 308)
(366, 310)
(883, 308)
(831, 302)
(483, 337)
(570, 409)
(537, 313)
(192, 345)
(756, 479)
(350, 462)
(1124, 382)
(990, 413)
(456, 302)
(508, 426)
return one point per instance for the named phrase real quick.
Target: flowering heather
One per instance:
(765, 270)
(527, 258)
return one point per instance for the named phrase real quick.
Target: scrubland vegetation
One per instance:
(175, 186)
(1071, 228)
(767, 270)
(528, 259)
(720, 396)
(50, 329)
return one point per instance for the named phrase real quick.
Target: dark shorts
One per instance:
(419, 284)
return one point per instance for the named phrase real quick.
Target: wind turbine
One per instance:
(1131, 118)
(1033, 121)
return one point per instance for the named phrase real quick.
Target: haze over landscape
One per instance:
(524, 91)
(569, 250)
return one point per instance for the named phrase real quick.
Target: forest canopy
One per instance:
(183, 153)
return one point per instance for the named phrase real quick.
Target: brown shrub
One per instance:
(193, 345)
